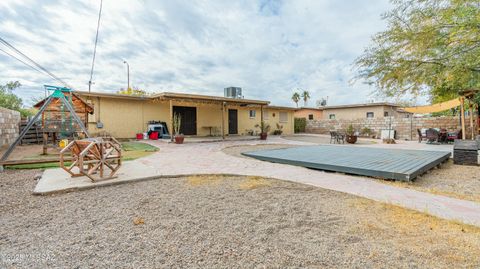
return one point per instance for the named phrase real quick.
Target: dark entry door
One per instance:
(232, 121)
(188, 115)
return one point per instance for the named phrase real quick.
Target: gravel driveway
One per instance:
(219, 222)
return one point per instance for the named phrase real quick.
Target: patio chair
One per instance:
(421, 136)
(432, 135)
(333, 137)
(340, 138)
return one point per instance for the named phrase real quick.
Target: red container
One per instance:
(154, 136)
(139, 136)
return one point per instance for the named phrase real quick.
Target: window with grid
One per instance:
(331, 116)
(369, 115)
(252, 113)
(310, 116)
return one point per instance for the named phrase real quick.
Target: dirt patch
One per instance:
(449, 243)
(172, 223)
(458, 181)
(238, 150)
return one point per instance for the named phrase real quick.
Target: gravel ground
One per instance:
(219, 222)
(452, 180)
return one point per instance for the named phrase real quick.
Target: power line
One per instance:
(35, 63)
(21, 61)
(95, 47)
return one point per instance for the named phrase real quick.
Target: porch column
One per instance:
(261, 113)
(223, 120)
(171, 119)
(462, 116)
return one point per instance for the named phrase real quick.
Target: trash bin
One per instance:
(154, 135)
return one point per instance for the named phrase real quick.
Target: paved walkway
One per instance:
(208, 158)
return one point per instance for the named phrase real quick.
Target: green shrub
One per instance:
(299, 125)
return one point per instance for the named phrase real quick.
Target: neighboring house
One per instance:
(310, 113)
(362, 111)
(354, 111)
(123, 116)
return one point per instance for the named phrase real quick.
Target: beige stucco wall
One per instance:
(304, 112)
(124, 118)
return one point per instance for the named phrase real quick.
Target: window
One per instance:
(385, 114)
(283, 117)
(369, 115)
(331, 116)
(310, 116)
(252, 113)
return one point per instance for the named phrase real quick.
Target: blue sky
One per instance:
(267, 47)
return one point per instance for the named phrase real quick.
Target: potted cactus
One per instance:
(177, 136)
(264, 129)
(351, 136)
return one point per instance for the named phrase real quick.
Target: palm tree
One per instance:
(305, 96)
(296, 98)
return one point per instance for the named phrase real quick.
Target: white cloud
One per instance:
(267, 47)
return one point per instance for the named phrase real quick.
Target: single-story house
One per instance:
(123, 116)
(310, 113)
(353, 111)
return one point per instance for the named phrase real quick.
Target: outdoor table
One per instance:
(210, 129)
(442, 136)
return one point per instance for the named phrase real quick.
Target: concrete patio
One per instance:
(207, 158)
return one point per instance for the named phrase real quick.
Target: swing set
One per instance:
(90, 156)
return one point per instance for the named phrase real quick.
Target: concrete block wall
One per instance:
(9, 126)
(406, 128)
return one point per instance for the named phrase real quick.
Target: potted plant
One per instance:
(350, 137)
(264, 129)
(177, 121)
(279, 130)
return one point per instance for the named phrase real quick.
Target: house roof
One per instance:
(308, 108)
(112, 95)
(361, 105)
(282, 107)
(172, 95)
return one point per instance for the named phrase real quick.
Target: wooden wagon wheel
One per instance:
(97, 159)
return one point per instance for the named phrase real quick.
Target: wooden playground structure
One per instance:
(96, 158)
(64, 115)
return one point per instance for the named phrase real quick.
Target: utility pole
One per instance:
(128, 74)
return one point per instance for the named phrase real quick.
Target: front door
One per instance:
(188, 116)
(232, 121)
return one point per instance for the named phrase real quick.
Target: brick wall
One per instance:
(406, 128)
(9, 126)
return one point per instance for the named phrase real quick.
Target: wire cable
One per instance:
(11, 55)
(35, 63)
(95, 47)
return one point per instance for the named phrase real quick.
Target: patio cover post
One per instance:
(462, 116)
(261, 113)
(471, 121)
(171, 118)
(223, 120)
